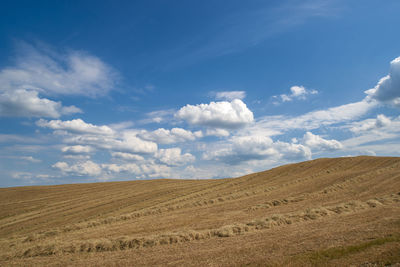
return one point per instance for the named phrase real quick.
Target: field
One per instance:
(324, 212)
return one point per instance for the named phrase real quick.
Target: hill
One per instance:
(338, 211)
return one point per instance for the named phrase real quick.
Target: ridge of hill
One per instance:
(329, 211)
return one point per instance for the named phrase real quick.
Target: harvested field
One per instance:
(333, 212)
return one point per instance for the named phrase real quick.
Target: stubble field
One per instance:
(334, 212)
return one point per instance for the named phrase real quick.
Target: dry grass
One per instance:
(337, 212)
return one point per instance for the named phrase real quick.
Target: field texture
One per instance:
(325, 212)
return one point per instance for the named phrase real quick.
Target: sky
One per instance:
(94, 91)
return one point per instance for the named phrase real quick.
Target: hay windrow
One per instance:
(272, 221)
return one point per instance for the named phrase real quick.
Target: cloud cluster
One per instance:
(315, 119)
(242, 142)
(127, 156)
(40, 71)
(317, 142)
(78, 149)
(165, 136)
(374, 135)
(40, 68)
(371, 124)
(225, 115)
(87, 168)
(388, 88)
(78, 132)
(144, 170)
(75, 126)
(105, 171)
(217, 132)
(230, 95)
(174, 157)
(246, 148)
(130, 152)
(297, 92)
(27, 103)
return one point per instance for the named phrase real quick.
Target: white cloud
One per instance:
(317, 142)
(246, 148)
(78, 132)
(39, 71)
(27, 103)
(9, 138)
(292, 152)
(174, 157)
(30, 158)
(76, 157)
(148, 170)
(228, 115)
(217, 132)
(158, 116)
(315, 119)
(373, 132)
(22, 175)
(127, 142)
(175, 135)
(131, 143)
(87, 168)
(42, 69)
(78, 149)
(371, 124)
(127, 156)
(388, 88)
(25, 158)
(230, 95)
(121, 125)
(75, 126)
(297, 92)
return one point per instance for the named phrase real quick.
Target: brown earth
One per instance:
(324, 212)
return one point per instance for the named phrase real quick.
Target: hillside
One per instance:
(326, 211)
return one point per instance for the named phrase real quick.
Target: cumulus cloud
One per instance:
(317, 142)
(230, 95)
(27, 103)
(87, 168)
(292, 152)
(242, 148)
(388, 88)
(22, 175)
(158, 116)
(75, 126)
(245, 148)
(126, 142)
(76, 156)
(174, 157)
(78, 149)
(127, 156)
(217, 132)
(146, 170)
(175, 135)
(226, 115)
(297, 92)
(78, 132)
(40, 71)
(378, 134)
(371, 124)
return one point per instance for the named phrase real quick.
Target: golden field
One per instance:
(324, 212)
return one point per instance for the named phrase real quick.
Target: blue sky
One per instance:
(121, 90)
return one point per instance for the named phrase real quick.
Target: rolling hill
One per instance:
(337, 212)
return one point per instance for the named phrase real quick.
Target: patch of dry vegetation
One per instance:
(64, 225)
